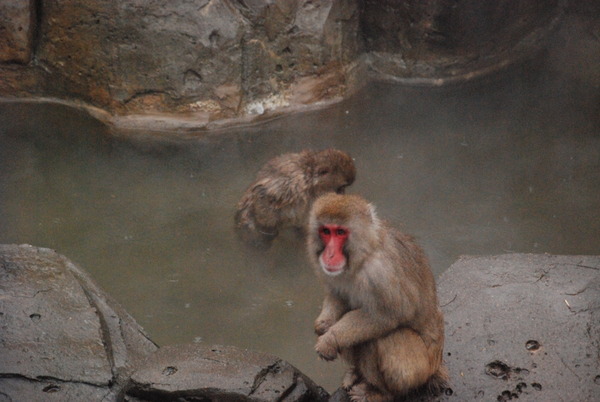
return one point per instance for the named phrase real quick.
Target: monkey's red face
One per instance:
(332, 258)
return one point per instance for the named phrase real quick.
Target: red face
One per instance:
(332, 258)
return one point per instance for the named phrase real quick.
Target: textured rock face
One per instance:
(523, 326)
(220, 60)
(445, 39)
(206, 59)
(17, 25)
(220, 373)
(61, 338)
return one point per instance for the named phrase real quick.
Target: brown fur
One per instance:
(284, 189)
(381, 314)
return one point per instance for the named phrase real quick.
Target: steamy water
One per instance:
(509, 164)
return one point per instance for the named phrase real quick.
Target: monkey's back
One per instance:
(277, 197)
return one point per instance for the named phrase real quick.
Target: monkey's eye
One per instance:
(323, 172)
(341, 232)
(325, 231)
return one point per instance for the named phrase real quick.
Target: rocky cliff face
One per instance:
(213, 61)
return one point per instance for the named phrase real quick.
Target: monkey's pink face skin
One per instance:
(332, 258)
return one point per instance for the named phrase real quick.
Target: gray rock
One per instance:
(204, 64)
(17, 25)
(525, 326)
(61, 338)
(222, 373)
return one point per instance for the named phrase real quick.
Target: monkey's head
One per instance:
(342, 232)
(333, 171)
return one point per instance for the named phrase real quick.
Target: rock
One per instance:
(220, 373)
(205, 64)
(521, 325)
(206, 60)
(441, 41)
(17, 25)
(61, 337)
(517, 326)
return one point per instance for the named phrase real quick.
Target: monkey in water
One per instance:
(380, 311)
(284, 190)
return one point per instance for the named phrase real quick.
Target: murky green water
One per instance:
(504, 165)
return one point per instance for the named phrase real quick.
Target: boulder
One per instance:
(219, 373)
(62, 338)
(522, 326)
(517, 326)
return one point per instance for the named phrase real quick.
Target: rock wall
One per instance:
(449, 39)
(215, 61)
(207, 60)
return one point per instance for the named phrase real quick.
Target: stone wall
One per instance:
(215, 61)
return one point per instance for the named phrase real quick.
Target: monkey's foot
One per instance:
(350, 378)
(358, 393)
(362, 392)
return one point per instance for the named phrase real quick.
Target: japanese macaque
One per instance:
(380, 311)
(284, 190)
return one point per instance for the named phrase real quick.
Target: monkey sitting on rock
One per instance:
(380, 311)
(284, 190)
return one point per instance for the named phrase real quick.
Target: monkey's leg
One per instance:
(405, 363)
(350, 378)
(352, 375)
(370, 383)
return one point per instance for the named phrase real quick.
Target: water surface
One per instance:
(506, 164)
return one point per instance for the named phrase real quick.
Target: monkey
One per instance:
(284, 189)
(380, 312)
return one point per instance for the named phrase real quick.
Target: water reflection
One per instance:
(507, 165)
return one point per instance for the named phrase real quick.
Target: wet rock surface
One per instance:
(62, 338)
(517, 326)
(218, 373)
(211, 63)
(522, 326)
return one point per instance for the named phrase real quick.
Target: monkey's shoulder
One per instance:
(282, 188)
(284, 165)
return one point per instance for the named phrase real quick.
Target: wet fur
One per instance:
(381, 315)
(284, 190)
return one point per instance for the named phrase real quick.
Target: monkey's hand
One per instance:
(327, 347)
(322, 325)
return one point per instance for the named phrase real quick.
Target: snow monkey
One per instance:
(380, 311)
(284, 190)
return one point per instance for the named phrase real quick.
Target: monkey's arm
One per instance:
(333, 308)
(356, 326)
